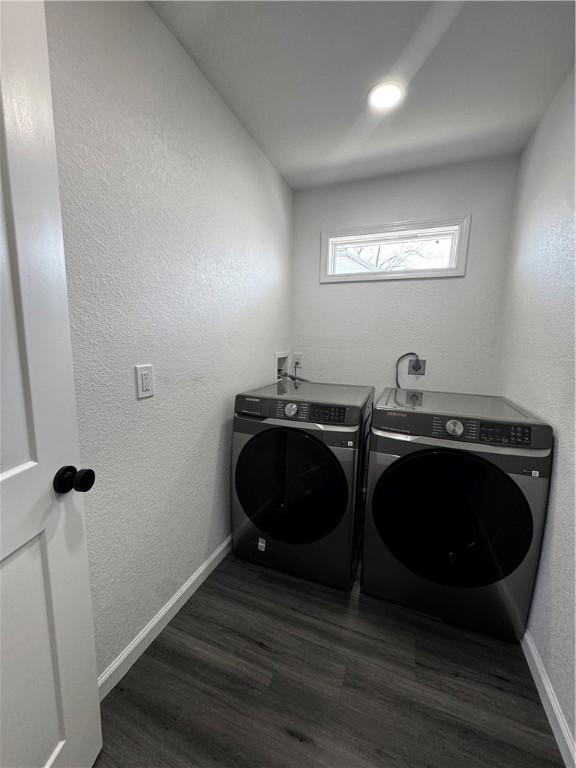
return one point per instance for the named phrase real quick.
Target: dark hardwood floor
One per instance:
(262, 670)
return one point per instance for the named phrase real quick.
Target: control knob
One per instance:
(291, 409)
(454, 427)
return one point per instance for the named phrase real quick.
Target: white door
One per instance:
(49, 704)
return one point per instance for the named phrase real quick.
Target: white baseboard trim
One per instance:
(122, 663)
(558, 722)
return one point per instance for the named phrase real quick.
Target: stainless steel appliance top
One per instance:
(486, 407)
(314, 392)
(460, 418)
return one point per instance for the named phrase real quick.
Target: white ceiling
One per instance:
(296, 74)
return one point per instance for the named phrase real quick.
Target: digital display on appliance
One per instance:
(515, 434)
(329, 413)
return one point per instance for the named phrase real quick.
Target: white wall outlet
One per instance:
(144, 381)
(297, 361)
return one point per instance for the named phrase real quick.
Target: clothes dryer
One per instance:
(456, 506)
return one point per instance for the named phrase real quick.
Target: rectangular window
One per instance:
(396, 251)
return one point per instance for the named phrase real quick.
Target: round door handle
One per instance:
(68, 478)
(84, 480)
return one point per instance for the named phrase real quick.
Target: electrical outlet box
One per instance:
(416, 371)
(281, 364)
(144, 381)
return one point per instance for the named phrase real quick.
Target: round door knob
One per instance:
(84, 480)
(291, 409)
(68, 478)
(454, 427)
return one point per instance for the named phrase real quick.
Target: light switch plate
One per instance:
(144, 381)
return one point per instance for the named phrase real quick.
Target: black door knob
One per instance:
(69, 477)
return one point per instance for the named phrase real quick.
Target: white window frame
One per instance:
(332, 237)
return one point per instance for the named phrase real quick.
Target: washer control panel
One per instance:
(294, 411)
(298, 410)
(316, 412)
(331, 414)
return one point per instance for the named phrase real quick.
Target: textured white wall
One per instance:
(177, 235)
(353, 332)
(537, 365)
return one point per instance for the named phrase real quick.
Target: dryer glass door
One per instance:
(452, 518)
(291, 485)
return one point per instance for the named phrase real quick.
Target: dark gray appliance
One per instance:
(297, 477)
(456, 505)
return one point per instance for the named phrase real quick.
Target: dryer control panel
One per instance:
(460, 429)
(475, 431)
(460, 418)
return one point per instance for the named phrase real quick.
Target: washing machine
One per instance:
(298, 451)
(456, 504)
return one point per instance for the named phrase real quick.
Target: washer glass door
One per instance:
(452, 517)
(291, 485)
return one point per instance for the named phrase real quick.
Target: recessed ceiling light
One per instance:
(386, 95)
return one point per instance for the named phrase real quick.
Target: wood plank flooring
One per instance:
(263, 670)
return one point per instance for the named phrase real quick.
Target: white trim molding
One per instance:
(559, 724)
(122, 663)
